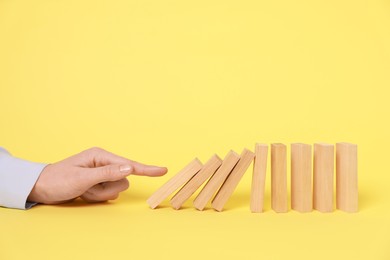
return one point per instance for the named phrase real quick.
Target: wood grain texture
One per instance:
(279, 197)
(301, 177)
(216, 181)
(232, 180)
(323, 177)
(346, 177)
(258, 177)
(192, 185)
(174, 183)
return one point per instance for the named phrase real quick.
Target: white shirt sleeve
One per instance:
(17, 179)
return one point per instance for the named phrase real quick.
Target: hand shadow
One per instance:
(127, 197)
(78, 203)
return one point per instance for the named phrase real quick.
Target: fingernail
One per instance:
(125, 168)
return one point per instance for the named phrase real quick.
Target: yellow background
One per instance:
(163, 82)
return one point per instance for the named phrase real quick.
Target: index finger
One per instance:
(97, 157)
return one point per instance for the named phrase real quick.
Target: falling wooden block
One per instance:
(174, 183)
(258, 177)
(346, 177)
(191, 186)
(216, 180)
(232, 180)
(279, 200)
(301, 176)
(323, 177)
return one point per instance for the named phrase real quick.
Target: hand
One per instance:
(94, 175)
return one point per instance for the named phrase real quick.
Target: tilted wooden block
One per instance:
(174, 183)
(232, 180)
(301, 177)
(191, 186)
(323, 177)
(279, 198)
(258, 177)
(216, 180)
(346, 177)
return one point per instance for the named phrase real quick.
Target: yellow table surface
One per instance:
(163, 82)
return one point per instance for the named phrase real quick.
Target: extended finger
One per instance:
(97, 157)
(148, 170)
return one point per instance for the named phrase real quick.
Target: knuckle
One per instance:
(95, 149)
(126, 184)
(89, 198)
(106, 170)
(91, 193)
(99, 197)
(113, 197)
(90, 153)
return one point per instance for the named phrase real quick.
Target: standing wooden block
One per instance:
(232, 180)
(301, 172)
(190, 187)
(323, 177)
(279, 199)
(346, 177)
(174, 183)
(258, 177)
(216, 180)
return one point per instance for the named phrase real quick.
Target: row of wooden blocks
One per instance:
(312, 179)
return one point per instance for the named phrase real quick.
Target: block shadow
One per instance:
(367, 198)
(127, 197)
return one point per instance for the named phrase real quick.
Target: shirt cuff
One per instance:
(17, 179)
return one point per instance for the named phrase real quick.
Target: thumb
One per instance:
(112, 172)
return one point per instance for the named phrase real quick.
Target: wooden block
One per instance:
(346, 177)
(258, 177)
(301, 176)
(323, 177)
(190, 187)
(279, 199)
(174, 183)
(232, 180)
(216, 180)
